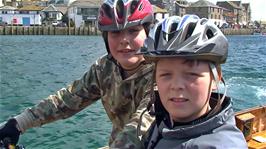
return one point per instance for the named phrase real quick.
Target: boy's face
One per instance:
(183, 87)
(125, 43)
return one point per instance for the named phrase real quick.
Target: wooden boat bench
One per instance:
(252, 122)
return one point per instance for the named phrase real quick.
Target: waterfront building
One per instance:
(180, 7)
(26, 16)
(206, 9)
(6, 13)
(247, 13)
(159, 3)
(169, 5)
(53, 15)
(29, 15)
(159, 13)
(84, 12)
(240, 13)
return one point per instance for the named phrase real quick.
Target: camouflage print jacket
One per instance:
(122, 100)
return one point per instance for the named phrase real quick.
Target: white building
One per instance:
(51, 15)
(6, 14)
(26, 16)
(84, 12)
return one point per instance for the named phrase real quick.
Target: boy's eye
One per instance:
(133, 30)
(164, 74)
(115, 32)
(193, 74)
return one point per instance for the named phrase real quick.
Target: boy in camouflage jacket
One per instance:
(120, 79)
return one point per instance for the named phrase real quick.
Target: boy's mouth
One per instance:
(126, 51)
(178, 99)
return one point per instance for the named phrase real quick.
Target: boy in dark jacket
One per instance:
(188, 52)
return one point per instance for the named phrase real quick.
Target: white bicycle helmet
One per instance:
(189, 37)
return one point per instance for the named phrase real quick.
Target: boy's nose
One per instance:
(124, 38)
(177, 84)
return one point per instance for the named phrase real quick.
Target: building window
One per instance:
(79, 11)
(24, 12)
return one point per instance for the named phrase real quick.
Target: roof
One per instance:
(7, 8)
(203, 3)
(90, 3)
(246, 5)
(31, 8)
(181, 3)
(237, 3)
(62, 9)
(234, 4)
(157, 9)
(51, 7)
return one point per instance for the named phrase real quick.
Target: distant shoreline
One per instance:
(242, 31)
(45, 30)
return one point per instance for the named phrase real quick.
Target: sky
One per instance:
(258, 8)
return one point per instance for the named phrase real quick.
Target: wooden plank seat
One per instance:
(252, 122)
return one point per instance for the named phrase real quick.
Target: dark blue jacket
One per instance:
(216, 132)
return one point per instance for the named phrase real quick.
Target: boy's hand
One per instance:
(10, 131)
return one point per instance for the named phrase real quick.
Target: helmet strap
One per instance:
(216, 77)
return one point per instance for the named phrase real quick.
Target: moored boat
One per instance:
(252, 122)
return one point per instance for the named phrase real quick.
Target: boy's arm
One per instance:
(128, 137)
(65, 103)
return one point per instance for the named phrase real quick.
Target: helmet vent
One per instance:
(120, 8)
(172, 31)
(209, 33)
(133, 6)
(157, 35)
(190, 30)
(173, 27)
(140, 7)
(107, 10)
(203, 21)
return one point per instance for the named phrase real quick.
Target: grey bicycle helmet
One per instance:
(189, 37)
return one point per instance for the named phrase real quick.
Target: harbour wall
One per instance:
(47, 30)
(50, 30)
